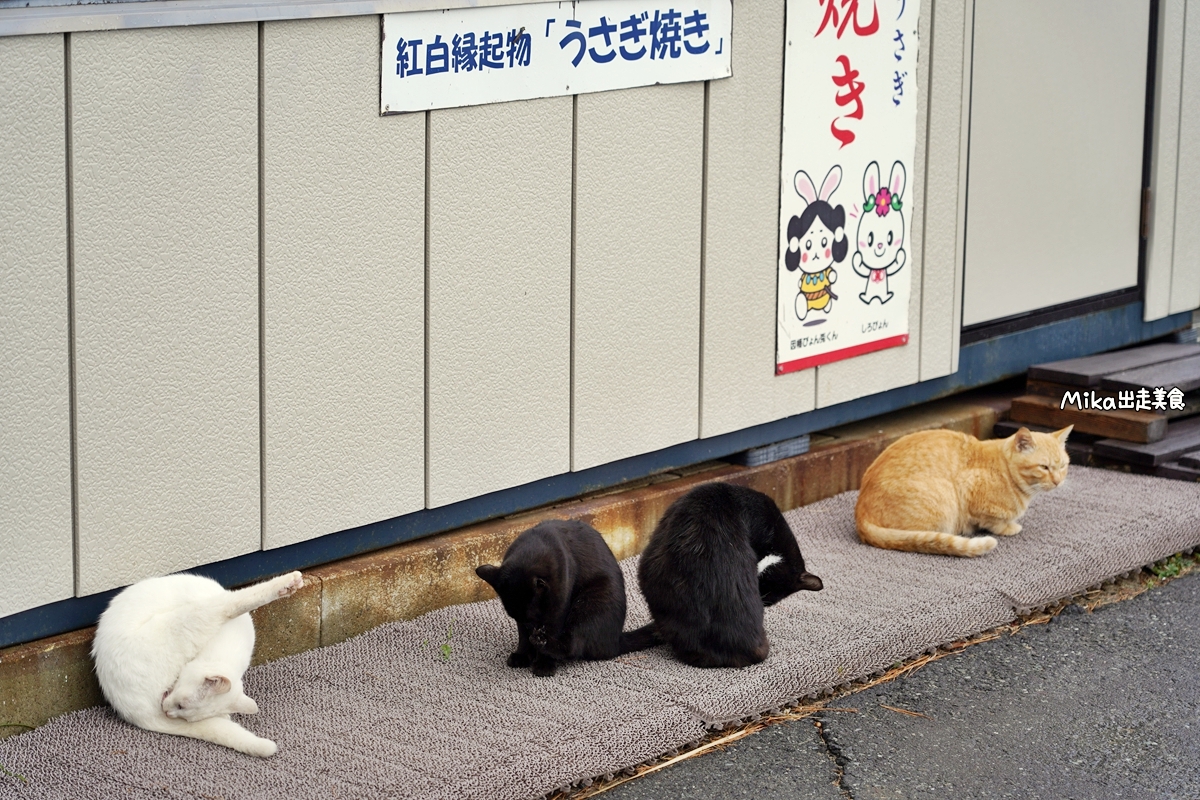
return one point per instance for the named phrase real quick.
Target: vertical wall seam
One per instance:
(925, 51)
(574, 204)
(428, 173)
(72, 408)
(703, 260)
(1178, 147)
(1179, 137)
(262, 301)
(964, 179)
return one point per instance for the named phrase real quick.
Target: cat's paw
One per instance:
(543, 667)
(1007, 530)
(537, 637)
(519, 660)
(263, 748)
(979, 545)
(290, 584)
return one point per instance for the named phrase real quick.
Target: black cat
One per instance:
(700, 576)
(562, 585)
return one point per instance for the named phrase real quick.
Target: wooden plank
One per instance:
(1088, 371)
(1182, 437)
(1177, 471)
(1181, 373)
(1079, 445)
(1191, 404)
(1133, 426)
(1191, 459)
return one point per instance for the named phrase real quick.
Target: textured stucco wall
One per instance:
(165, 131)
(35, 437)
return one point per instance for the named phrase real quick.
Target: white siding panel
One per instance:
(739, 387)
(344, 260)
(637, 271)
(1185, 283)
(35, 434)
(897, 366)
(1056, 165)
(1164, 164)
(947, 56)
(165, 131)
(499, 288)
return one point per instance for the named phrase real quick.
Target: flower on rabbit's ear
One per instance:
(883, 201)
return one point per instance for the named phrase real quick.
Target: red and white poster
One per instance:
(849, 136)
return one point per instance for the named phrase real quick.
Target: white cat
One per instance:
(170, 653)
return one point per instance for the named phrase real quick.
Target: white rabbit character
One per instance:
(880, 250)
(816, 241)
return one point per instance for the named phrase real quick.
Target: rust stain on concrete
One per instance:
(43, 679)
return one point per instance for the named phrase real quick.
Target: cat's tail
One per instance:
(945, 544)
(640, 639)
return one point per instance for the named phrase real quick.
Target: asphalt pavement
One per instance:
(1091, 706)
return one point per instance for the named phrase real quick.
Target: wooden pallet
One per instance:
(1177, 471)
(1133, 426)
(1191, 459)
(1181, 373)
(1183, 436)
(1089, 371)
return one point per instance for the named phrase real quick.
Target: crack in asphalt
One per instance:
(835, 755)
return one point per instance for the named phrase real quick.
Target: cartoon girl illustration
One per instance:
(816, 241)
(880, 250)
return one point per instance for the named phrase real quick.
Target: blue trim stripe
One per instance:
(979, 364)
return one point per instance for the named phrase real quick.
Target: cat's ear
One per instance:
(488, 573)
(810, 582)
(1023, 440)
(216, 684)
(1063, 434)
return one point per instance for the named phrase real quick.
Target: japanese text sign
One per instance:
(846, 196)
(472, 56)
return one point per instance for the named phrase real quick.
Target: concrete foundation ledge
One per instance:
(43, 679)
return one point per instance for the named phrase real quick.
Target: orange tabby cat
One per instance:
(929, 487)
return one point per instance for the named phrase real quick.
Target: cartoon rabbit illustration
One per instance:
(880, 250)
(816, 241)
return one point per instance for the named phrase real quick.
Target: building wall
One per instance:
(343, 286)
(292, 317)
(164, 209)
(35, 423)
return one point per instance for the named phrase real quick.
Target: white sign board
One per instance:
(849, 135)
(472, 56)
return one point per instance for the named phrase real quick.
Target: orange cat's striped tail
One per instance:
(945, 544)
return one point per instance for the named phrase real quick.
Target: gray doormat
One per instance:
(394, 714)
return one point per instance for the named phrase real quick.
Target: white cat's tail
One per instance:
(944, 544)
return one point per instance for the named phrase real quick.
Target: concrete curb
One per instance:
(43, 679)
